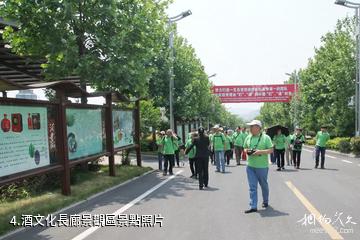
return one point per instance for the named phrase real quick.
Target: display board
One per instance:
(84, 132)
(123, 128)
(23, 139)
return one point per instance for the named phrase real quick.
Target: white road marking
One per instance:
(329, 156)
(346, 161)
(91, 230)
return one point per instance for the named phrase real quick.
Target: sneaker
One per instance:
(171, 173)
(322, 167)
(283, 168)
(251, 210)
(316, 166)
(265, 205)
(279, 169)
(165, 173)
(201, 187)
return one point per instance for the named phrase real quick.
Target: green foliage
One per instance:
(344, 146)
(355, 144)
(150, 116)
(109, 43)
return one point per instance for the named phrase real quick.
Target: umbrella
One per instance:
(272, 131)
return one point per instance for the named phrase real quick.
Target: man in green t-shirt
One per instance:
(218, 144)
(322, 137)
(159, 138)
(257, 145)
(279, 141)
(169, 145)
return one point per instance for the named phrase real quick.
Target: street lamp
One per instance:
(213, 75)
(296, 81)
(171, 21)
(355, 6)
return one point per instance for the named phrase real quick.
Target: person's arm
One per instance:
(269, 147)
(188, 149)
(262, 152)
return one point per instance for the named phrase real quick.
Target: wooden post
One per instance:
(109, 134)
(137, 132)
(61, 142)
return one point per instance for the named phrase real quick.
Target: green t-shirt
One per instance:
(322, 138)
(218, 140)
(252, 142)
(159, 144)
(238, 139)
(192, 152)
(169, 145)
(228, 141)
(279, 141)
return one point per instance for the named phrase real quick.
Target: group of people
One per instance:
(289, 148)
(253, 145)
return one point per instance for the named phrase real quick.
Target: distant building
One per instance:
(26, 94)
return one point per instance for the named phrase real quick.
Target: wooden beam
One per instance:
(6, 64)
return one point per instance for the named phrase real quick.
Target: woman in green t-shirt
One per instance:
(297, 141)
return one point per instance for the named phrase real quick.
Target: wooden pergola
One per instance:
(20, 70)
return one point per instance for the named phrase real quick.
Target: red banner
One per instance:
(255, 93)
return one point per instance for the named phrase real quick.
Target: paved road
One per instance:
(217, 213)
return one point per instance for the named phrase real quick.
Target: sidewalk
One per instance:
(340, 154)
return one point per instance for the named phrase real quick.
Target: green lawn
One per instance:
(88, 183)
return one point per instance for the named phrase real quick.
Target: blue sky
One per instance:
(258, 41)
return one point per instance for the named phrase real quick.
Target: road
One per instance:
(331, 195)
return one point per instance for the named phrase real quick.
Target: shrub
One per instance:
(344, 146)
(310, 142)
(355, 145)
(335, 143)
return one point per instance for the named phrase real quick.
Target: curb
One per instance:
(349, 155)
(81, 202)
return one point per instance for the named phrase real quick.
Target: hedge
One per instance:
(342, 144)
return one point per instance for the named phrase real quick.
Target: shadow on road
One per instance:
(271, 212)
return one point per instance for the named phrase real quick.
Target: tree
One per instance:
(150, 116)
(108, 43)
(326, 86)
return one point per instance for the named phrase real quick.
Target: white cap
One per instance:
(254, 122)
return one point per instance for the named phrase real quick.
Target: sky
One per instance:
(257, 41)
(254, 42)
